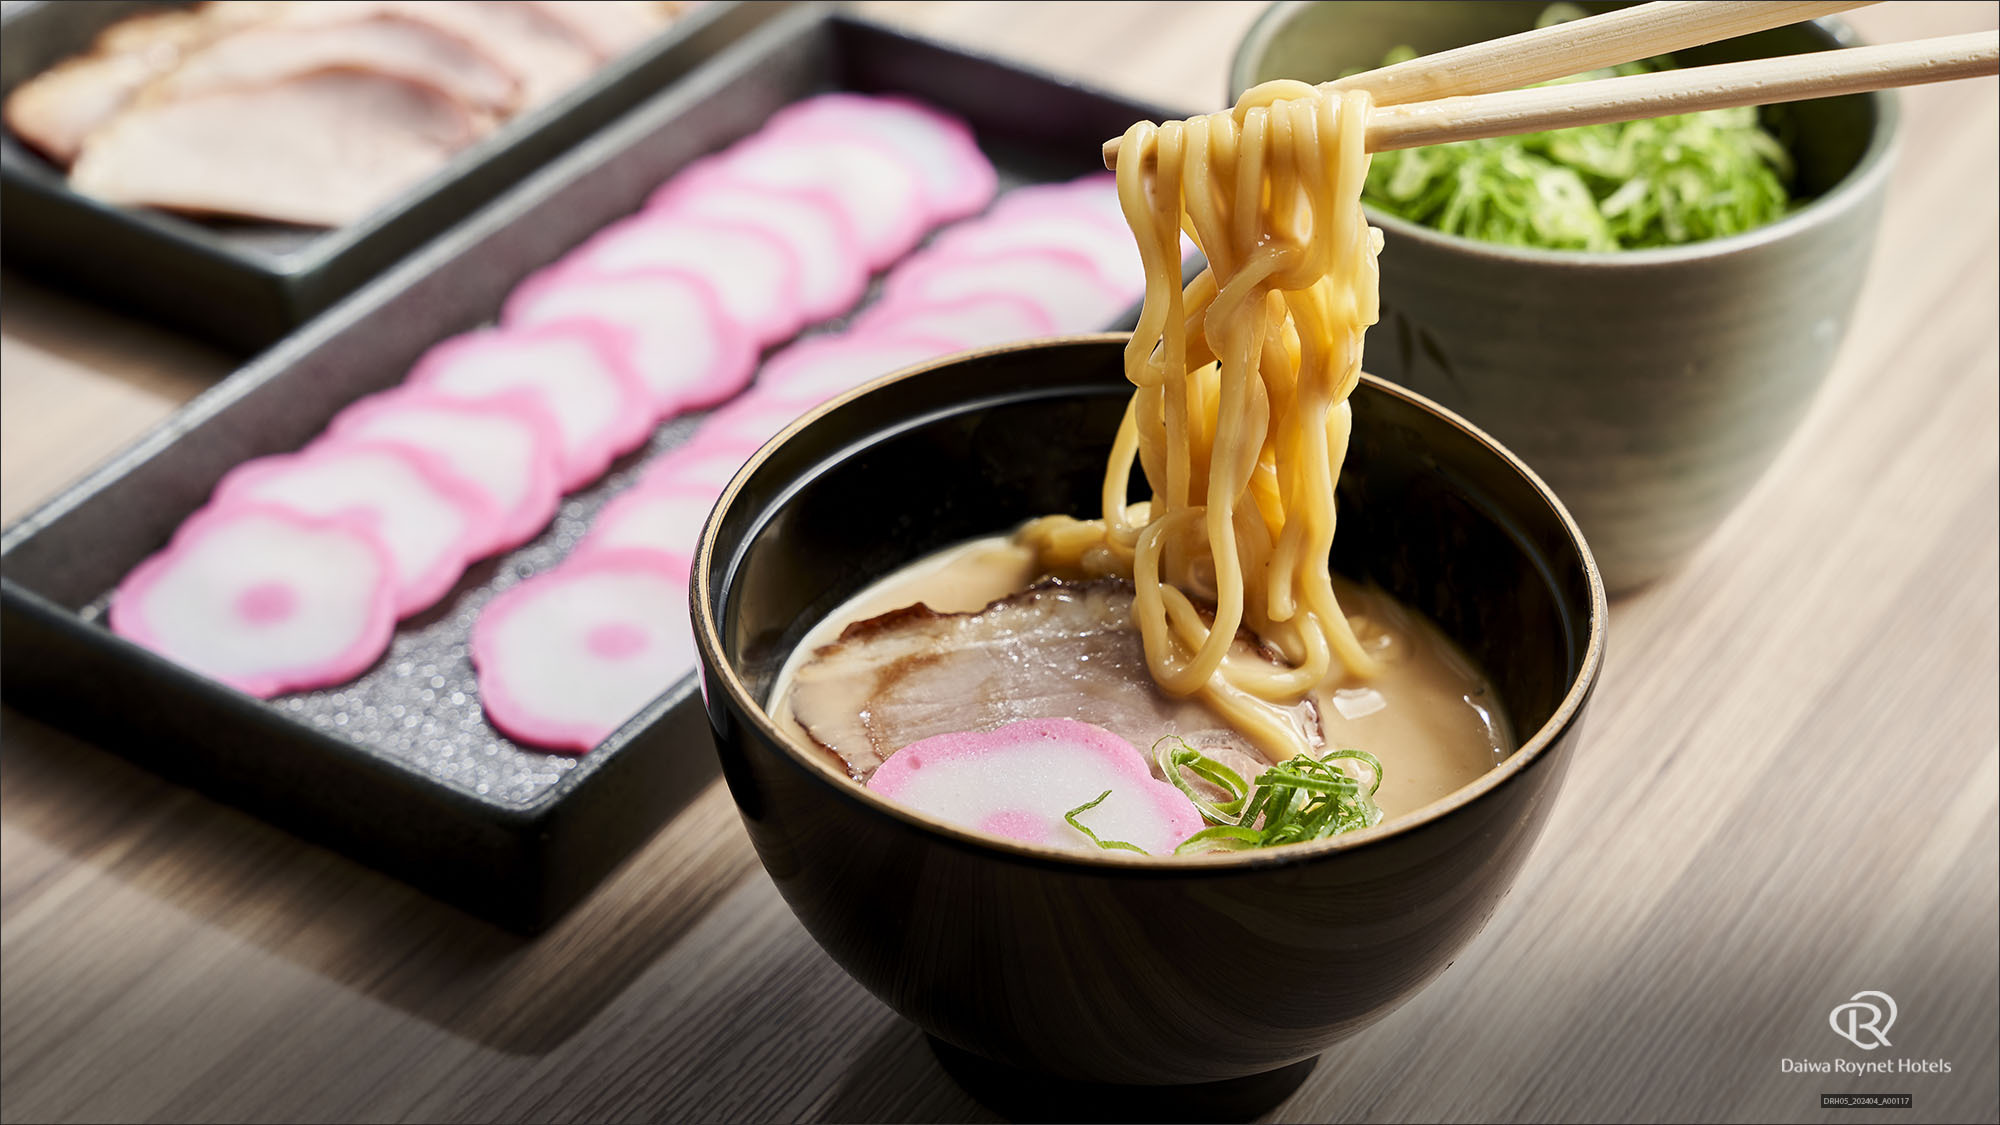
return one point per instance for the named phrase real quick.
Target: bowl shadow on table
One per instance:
(349, 924)
(904, 1075)
(897, 1078)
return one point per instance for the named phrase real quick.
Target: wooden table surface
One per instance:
(1787, 794)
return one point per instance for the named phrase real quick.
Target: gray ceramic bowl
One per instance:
(1649, 388)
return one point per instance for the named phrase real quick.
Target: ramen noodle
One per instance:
(1240, 418)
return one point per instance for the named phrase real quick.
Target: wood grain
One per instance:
(1791, 792)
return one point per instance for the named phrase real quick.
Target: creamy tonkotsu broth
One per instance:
(1428, 714)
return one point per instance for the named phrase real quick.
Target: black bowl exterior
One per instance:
(1108, 971)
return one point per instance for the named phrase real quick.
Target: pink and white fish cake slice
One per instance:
(812, 371)
(881, 196)
(1096, 193)
(676, 335)
(1065, 285)
(1037, 208)
(262, 598)
(708, 463)
(754, 274)
(957, 178)
(430, 522)
(1108, 245)
(506, 446)
(970, 322)
(1019, 781)
(575, 369)
(566, 657)
(751, 419)
(833, 272)
(666, 517)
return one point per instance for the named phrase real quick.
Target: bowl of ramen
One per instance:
(882, 524)
(1642, 311)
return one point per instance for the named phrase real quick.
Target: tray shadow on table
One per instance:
(355, 926)
(109, 345)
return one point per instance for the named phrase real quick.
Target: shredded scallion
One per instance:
(1108, 845)
(1175, 755)
(1305, 798)
(1662, 181)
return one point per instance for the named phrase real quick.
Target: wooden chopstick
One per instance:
(1788, 78)
(1563, 49)
(1814, 74)
(1592, 43)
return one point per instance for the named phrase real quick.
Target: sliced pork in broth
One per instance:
(1054, 651)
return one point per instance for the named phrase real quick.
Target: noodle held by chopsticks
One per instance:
(1240, 419)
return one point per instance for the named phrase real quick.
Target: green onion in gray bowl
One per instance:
(1650, 386)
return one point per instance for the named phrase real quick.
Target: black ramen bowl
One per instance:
(1214, 973)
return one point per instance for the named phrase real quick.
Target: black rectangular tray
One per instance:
(243, 285)
(399, 769)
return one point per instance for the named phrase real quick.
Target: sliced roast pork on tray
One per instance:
(321, 149)
(312, 113)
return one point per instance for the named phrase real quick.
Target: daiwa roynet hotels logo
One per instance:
(1865, 1020)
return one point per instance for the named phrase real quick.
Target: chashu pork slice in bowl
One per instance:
(1057, 650)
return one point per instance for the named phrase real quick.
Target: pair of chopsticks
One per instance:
(1474, 91)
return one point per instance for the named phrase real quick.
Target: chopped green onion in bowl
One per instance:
(1107, 845)
(1302, 799)
(1623, 185)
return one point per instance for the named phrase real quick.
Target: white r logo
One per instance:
(1863, 1022)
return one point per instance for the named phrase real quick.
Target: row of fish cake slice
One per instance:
(783, 229)
(568, 656)
(294, 574)
(1047, 260)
